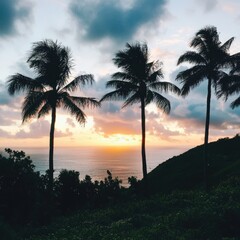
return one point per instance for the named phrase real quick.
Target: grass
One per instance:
(181, 215)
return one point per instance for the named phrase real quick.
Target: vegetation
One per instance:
(185, 171)
(209, 60)
(25, 199)
(179, 215)
(178, 209)
(139, 82)
(50, 88)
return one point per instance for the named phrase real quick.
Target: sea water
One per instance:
(122, 162)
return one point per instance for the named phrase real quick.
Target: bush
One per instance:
(67, 189)
(19, 186)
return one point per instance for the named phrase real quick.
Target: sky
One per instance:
(94, 31)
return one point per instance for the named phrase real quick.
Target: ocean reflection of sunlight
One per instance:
(122, 161)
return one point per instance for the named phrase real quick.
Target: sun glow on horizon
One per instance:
(121, 140)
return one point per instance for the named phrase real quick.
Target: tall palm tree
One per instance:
(50, 88)
(139, 82)
(209, 60)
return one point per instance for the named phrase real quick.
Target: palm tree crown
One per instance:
(139, 79)
(209, 59)
(51, 89)
(139, 82)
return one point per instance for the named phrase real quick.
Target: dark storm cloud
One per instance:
(106, 18)
(10, 11)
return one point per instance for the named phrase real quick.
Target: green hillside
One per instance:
(186, 170)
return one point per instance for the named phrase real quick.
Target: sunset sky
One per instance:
(95, 30)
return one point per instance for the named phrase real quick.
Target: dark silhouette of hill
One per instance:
(185, 172)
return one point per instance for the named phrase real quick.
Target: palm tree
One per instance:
(209, 60)
(50, 88)
(139, 82)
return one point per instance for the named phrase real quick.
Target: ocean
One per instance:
(122, 162)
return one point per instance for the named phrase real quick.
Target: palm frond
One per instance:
(198, 43)
(44, 110)
(200, 71)
(123, 76)
(31, 105)
(225, 47)
(135, 98)
(161, 102)
(84, 102)
(234, 59)
(119, 94)
(19, 82)
(192, 57)
(155, 76)
(234, 86)
(235, 103)
(129, 86)
(149, 97)
(79, 81)
(191, 78)
(74, 110)
(165, 87)
(221, 88)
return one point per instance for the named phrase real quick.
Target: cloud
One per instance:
(112, 119)
(191, 113)
(108, 127)
(8, 117)
(10, 12)
(209, 5)
(4, 134)
(108, 19)
(70, 122)
(4, 96)
(40, 129)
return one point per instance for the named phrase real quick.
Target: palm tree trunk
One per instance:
(51, 148)
(144, 162)
(206, 162)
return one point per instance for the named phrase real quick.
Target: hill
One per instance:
(185, 171)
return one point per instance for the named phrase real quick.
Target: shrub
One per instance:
(19, 186)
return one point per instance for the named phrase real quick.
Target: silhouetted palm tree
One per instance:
(209, 60)
(50, 88)
(139, 82)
